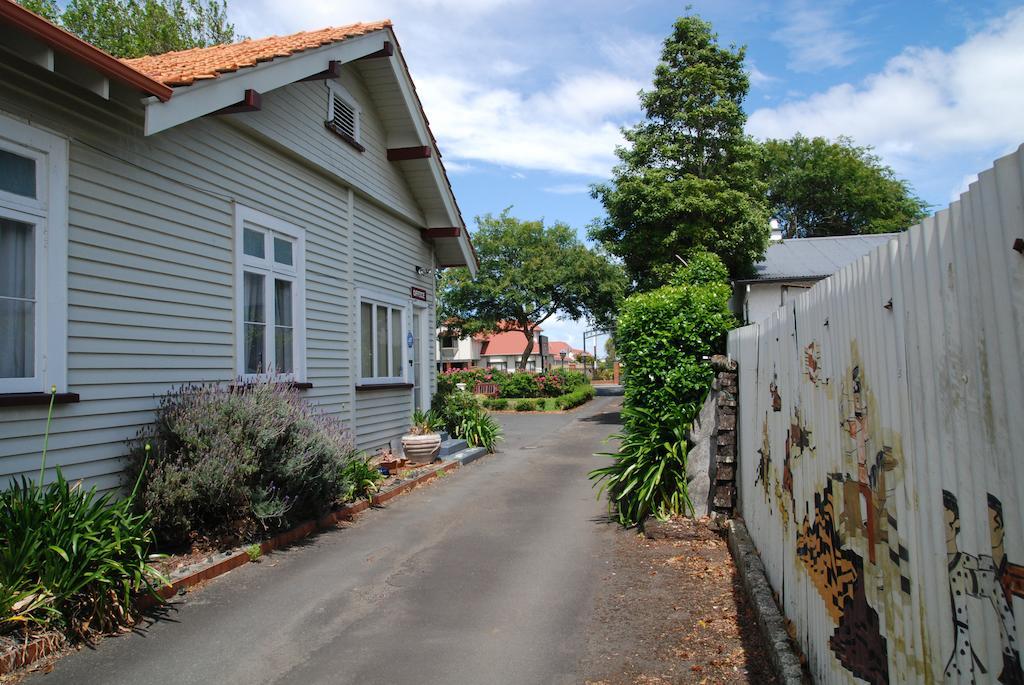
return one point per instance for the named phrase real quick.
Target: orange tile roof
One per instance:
(184, 67)
(509, 343)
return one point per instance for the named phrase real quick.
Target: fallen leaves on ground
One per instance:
(672, 610)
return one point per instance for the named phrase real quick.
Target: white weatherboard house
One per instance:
(210, 215)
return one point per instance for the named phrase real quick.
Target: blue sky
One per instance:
(526, 97)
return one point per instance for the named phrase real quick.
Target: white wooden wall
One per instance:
(881, 450)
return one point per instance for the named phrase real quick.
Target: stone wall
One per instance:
(711, 461)
(724, 389)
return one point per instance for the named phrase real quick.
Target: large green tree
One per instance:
(133, 28)
(688, 177)
(528, 273)
(818, 187)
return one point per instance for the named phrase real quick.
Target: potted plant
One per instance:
(422, 443)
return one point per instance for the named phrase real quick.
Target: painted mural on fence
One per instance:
(846, 536)
(993, 580)
(884, 451)
(846, 533)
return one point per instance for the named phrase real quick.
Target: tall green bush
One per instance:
(234, 461)
(663, 338)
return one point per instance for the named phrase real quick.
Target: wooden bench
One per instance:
(488, 389)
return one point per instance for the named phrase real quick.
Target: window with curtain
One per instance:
(272, 298)
(382, 331)
(33, 253)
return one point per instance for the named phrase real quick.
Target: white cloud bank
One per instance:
(811, 34)
(570, 127)
(926, 104)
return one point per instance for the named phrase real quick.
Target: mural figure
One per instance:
(773, 388)
(798, 444)
(838, 575)
(764, 464)
(849, 542)
(812, 364)
(992, 578)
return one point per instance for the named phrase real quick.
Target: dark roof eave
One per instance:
(780, 279)
(73, 46)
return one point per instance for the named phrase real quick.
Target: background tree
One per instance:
(688, 178)
(133, 28)
(528, 273)
(818, 187)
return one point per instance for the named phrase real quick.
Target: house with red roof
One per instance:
(273, 208)
(503, 351)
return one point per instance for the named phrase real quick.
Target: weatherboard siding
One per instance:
(386, 252)
(293, 116)
(150, 262)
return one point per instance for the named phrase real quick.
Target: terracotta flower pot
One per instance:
(421, 448)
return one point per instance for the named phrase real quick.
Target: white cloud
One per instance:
(572, 126)
(632, 53)
(756, 76)
(811, 35)
(491, 97)
(568, 189)
(925, 104)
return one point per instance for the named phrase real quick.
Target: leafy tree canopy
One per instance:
(818, 187)
(528, 273)
(133, 28)
(688, 179)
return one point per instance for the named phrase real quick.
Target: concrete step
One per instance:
(451, 446)
(470, 454)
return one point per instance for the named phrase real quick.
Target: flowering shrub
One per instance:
(233, 461)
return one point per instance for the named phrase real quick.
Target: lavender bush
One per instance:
(231, 461)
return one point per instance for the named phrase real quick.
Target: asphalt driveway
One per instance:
(487, 576)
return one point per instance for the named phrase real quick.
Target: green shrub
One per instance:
(447, 380)
(648, 475)
(576, 397)
(570, 378)
(480, 430)
(496, 403)
(663, 335)
(233, 461)
(526, 405)
(518, 384)
(360, 480)
(71, 558)
(464, 417)
(662, 338)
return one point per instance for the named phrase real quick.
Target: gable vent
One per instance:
(344, 119)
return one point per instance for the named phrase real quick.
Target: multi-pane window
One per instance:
(272, 308)
(33, 254)
(382, 331)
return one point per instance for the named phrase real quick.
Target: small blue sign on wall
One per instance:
(408, 339)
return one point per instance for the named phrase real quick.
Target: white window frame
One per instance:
(48, 212)
(270, 270)
(375, 298)
(336, 90)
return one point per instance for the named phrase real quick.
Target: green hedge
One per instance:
(576, 397)
(662, 338)
(496, 403)
(526, 405)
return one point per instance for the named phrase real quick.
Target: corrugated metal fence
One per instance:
(881, 450)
